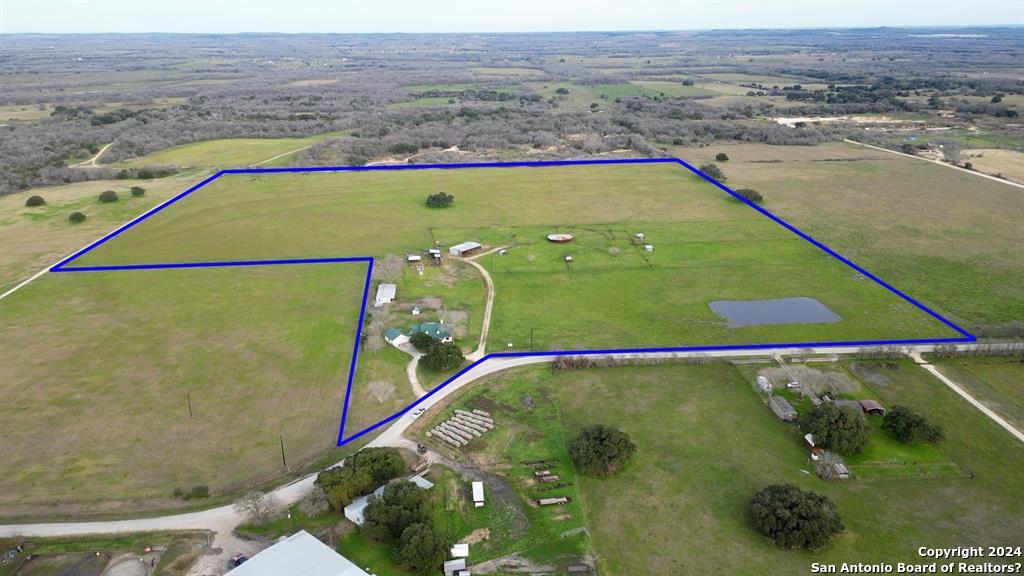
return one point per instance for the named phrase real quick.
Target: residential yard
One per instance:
(706, 444)
(100, 368)
(949, 239)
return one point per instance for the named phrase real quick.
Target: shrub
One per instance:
(138, 191)
(842, 429)
(908, 425)
(199, 492)
(721, 157)
(76, 217)
(400, 506)
(421, 549)
(442, 356)
(108, 196)
(440, 200)
(751, 195)
(422, 341)
(601, 450)
(34, 201)
(792, 518)
(713, 171)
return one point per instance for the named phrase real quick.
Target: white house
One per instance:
(298, 555)
(385, 294)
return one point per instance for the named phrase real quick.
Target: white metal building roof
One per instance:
(465, 246)
(385, 294)
(354, 511)
(298, 555)
(478, 491)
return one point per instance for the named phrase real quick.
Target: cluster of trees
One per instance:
(440, 200)
(908, 425)
(792, 518)
(713, 171)
(601, 450)
(442, 356)
(361, 474)
(839, 428)
(401, 516)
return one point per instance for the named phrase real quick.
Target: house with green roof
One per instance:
(436, 330)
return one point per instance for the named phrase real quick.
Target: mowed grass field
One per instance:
(946, 238)
(707, 247)
(98, 368)
(996, 382)
(228, 153)
(706, 444)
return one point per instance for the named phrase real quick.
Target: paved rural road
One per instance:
(224, 519)
(939, 162)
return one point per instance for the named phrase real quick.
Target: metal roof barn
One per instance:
(298, 555)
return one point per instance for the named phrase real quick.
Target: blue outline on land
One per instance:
(62, 266)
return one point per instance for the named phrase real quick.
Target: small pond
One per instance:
(800, 310)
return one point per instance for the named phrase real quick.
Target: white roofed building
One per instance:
(385, 294)
(298, 555)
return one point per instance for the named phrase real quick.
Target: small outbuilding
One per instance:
(872, 407)
(454, 567)
(851, 404)
(410, 258)
(465, 249)
(782, 408)
(478, 494)
(460, 551)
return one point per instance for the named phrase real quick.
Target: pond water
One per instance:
(800, 310)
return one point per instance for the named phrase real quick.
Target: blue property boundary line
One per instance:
(63, 266)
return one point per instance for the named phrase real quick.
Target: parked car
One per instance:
(418, 412)
(238, 560)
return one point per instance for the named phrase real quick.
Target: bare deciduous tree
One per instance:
(260, 508)
(375, 333)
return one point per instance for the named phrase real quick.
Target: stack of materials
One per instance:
(460, 429)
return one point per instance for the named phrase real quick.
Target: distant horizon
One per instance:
(470, 33)
(490, 16)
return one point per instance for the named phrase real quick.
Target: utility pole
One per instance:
(188, 397)
(284, 462)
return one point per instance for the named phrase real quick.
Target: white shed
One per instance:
(478, 494)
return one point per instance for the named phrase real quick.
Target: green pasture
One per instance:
(100, 370)
(227, 153)
(947, 238)
(706, 444)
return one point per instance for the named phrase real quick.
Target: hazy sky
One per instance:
(489, 15)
